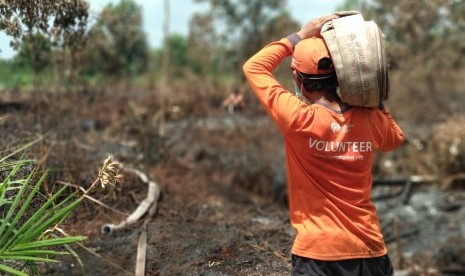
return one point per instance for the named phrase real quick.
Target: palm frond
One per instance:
(12, 271)
(24, 238)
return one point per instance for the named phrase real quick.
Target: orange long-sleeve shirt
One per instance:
(329, 156)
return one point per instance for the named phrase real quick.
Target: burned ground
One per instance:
(223, 209)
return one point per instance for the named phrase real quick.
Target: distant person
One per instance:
(234, 102)
(329, 151)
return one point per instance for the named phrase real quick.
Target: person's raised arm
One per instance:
(313, 27)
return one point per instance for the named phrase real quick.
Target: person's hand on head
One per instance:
(312, 28)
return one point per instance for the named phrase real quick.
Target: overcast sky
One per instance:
(181, 12)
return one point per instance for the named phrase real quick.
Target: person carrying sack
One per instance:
(329, 152)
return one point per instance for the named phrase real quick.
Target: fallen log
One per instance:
(407, 182)
(452, 271)
(12, 106)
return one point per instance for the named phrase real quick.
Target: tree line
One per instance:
(58, 43)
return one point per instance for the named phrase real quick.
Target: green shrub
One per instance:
(29, 219)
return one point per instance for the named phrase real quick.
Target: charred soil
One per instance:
(223, 209)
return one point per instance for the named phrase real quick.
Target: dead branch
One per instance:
(449, 181)
(415, 179)
(407, 182)
(141, 252)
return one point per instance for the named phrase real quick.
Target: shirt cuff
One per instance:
(293, 39)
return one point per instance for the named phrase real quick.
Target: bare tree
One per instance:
(164, 88)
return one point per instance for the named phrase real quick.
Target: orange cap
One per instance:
(307, 53)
